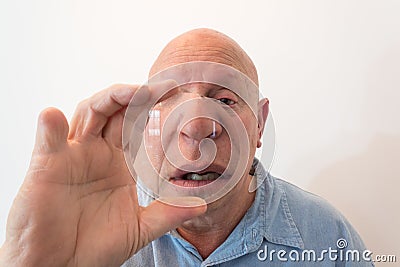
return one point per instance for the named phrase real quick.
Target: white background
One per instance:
(331, 70)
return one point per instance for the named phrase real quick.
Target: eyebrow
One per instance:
(214, 88)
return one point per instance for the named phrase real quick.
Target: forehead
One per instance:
(207, 73)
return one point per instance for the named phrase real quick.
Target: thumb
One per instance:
(159, 217)
(52, 131)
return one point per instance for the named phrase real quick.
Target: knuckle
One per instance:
(82, 104)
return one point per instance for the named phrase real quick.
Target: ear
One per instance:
(263, 109)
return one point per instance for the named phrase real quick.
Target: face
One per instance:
(191, 134)
(211, 46)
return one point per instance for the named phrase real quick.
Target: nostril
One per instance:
(201, 128)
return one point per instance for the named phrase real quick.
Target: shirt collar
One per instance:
(269, 217)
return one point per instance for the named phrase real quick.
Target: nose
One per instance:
(199, 128)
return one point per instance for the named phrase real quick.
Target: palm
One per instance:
(79, 199)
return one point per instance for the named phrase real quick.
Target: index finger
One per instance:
(92, 114)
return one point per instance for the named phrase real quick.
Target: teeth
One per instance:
(202, 177)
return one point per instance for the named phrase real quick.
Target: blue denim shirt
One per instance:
(285, 226)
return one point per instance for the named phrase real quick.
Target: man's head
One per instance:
(205, 45)
(211, 46)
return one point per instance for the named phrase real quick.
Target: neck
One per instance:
(209, 231)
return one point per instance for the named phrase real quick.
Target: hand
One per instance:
(78, 203)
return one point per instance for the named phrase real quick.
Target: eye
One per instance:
(226, 101)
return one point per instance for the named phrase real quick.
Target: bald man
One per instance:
(78, 205)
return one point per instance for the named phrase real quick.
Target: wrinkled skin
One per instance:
(78, 203)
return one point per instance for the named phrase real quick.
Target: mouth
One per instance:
(194, 179)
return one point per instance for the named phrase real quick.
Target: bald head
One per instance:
(205, 45)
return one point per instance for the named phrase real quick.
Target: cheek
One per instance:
(152, 139)
(154, 153)
(251, 125)
(152, 136)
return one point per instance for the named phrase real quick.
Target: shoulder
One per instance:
(304, 204)
(318, 222)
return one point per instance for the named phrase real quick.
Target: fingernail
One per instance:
(141, 96)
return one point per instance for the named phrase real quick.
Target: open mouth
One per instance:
(200, 177)
(195, 179)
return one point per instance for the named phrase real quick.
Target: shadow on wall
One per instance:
(365, 188)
